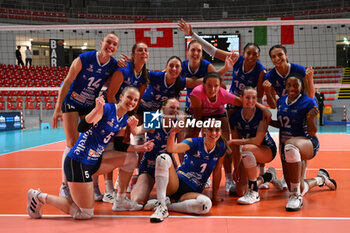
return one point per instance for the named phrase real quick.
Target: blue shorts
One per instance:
(315, 145)
(181, 190)
(78, 172)
(66, 107)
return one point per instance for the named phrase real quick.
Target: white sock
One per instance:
(319, 180)
(162, 183)
(64, 155)
(120, 196)
(109, 186)
(295, 188)
(43, 197)
(200, 205)
(228, 176)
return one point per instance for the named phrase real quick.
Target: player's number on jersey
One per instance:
(108, 137)
(239, 85)
(203, 166)
(161, 98)
(87, 175)
(284, 121)
(95, 84)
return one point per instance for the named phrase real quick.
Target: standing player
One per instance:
(134, 74)
(250, 130)
(204, 155)
(247, 71)
(296, 115)
(275, 79)
(82, 85)
(85, 159)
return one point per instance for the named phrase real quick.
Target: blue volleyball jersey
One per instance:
(279, 82)
(244, 78)
(292, 117)
(89, 81)
(199, 163)
(248, 128)
(199, 73)
(148, 160)
(129, 79)
(158, 91)
(90, 145)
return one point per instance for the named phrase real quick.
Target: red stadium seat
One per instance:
(29, 105)
(19, 99)
(10, 99)
(19, 105)
(37, 105)
(47, 99)
(38, 99)
(29, 99)
(48, 106)
(2, 106)
(11, 106)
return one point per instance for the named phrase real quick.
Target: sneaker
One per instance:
(228, 184)
(284, 183)
(64, 191)
(264, 186)
(153, 203)
(126, 205)
(108, 197)
(275, 181)
(97, 194)
(208, 183)
(132, 183)
(159, 214)
(249, 197)
(33, 203)
(232, 190)
(295, 202)
(330, 183)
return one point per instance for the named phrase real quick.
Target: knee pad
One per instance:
(130, 162)
(163, 163)
(204, 204)
(292, 153)
(248, 159)
(81, 213)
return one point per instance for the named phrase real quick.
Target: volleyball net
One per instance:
(322, 44)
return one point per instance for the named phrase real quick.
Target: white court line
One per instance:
(198, 217)
(58, 168)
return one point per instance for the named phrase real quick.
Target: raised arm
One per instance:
(309, 82)
(173, 147)
(229, 62)
(270, 94)
(74, 70)
(207, 47)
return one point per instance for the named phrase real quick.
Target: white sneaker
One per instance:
(249, 197)
(208, 183)
(330, 183)
(132, 183)
(126, 205)
(159, 214)
(64, 191)
(228, 184)
(108, 197)
(275, 181)
(153, 203)
(33, 203)
(284, 183)
(97, 194)
(295, 202)
(264, 186)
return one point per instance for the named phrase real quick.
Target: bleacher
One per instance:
(34, 76)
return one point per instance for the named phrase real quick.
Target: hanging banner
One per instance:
(56, 52)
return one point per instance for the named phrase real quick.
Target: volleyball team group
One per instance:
(104, 130)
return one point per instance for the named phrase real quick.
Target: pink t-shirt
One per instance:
(212, 108)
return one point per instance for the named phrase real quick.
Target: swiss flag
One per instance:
(155, 37)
